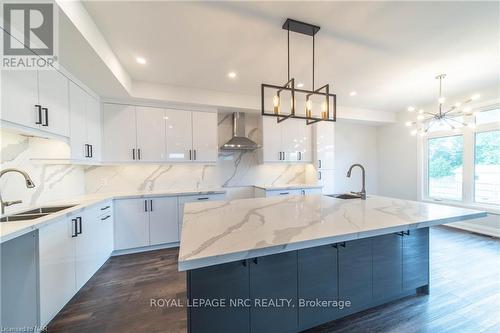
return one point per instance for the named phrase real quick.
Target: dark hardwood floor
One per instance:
(465, 294)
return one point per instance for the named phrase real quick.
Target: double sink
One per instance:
(34, 213)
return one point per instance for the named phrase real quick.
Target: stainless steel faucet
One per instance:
(362, 194)
(29, 184)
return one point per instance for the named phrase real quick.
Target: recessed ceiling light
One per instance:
(300, 85)
(411, 108)
(140, 60)
(353, 93)
(231, 75)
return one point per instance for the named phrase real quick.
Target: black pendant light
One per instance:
(276, 108)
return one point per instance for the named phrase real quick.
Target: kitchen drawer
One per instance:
(105, 208)
(278, 193)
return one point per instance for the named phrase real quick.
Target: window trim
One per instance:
(468, 171)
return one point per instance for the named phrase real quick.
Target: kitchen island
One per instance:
(285, 264)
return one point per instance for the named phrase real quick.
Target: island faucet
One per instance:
(29, 184)
(362, 194)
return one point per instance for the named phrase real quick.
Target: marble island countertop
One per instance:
(10, 230)
(225, 231)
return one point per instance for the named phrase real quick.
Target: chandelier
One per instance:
(286, 101)
(451, 118)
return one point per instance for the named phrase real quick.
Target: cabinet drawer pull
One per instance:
(407, 232)
(151, 205)
(133, 153)
(39, 110)
(74, 232)
(319, 164)
(300, 156)
(284, 193)
(46, 111)
(319, 175)
(138, 153)
(145, 205)
(80, 227)
(194, 154)
(255, 261)
(106, 217)
(91, 151)
(203, 198)
(190, 155)
(104, 208)
(244, 263)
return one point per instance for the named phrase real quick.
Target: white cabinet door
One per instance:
(326, 178)
(304, 140)
(163, 220)
(53, 97)
(78, 122)
(205, 137)
(106, 237)
(131, 220)
(57, 267)
(93, 107)
(311, 191)
(150, 134)
(195, 198)
(179, 135)
(119, 133)
(290, 144)
(324, 136)
(87, 246)
(272, 149)
(19, 97)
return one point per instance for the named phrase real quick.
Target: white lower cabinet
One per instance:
(163, 227)
(131, 223)
(147, 221)
(71, 250)
(194, 198)
(57, 267)
(326, 178)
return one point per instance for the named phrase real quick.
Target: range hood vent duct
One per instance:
(239, 141)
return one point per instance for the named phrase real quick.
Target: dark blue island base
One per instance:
(297, 290)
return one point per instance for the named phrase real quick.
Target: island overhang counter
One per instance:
(299, 253)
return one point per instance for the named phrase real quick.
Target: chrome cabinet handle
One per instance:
(46, 111)
(39, 110)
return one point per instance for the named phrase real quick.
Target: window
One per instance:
(445, 167)
(463, 164)
(487, 167)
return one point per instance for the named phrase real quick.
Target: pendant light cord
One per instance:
(313, 66)
(288, 51)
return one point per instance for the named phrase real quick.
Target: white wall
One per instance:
(397, 160)
(356, 143)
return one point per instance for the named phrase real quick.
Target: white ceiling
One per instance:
(389, 52)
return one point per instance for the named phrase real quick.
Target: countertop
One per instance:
(286, 187)
(226, 231)
(10, 230)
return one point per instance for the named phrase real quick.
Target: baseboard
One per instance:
(144, 249)
(480, 229)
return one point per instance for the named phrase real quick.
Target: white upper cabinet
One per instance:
(179, 135)
(53, 97)
(149, 134)
(78, 124)
(288, 141)
(324, 141)
(36, 99)
(204, 137)
(20, 97)
(271, 129)
(151, 145)
(119, 143)
(94, 136)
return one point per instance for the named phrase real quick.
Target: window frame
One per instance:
(468, 169)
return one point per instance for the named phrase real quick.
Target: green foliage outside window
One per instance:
(445, 155)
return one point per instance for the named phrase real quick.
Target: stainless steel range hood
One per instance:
(239, 141)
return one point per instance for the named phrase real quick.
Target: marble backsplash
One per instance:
(52, 182)
(235, 171)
